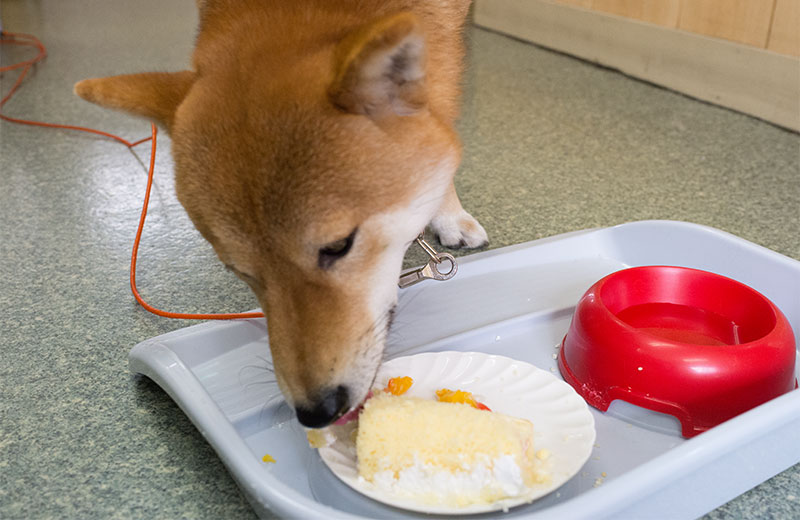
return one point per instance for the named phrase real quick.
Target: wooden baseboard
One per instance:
(748, 79)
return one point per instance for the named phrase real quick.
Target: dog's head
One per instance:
(310, 177)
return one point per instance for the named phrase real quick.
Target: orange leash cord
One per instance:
(167, 314)
(32, 41)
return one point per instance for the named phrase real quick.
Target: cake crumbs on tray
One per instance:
(543, 454)
(599, 480)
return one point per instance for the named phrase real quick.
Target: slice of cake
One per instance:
(444, 453)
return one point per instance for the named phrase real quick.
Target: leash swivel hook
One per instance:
(431, 270)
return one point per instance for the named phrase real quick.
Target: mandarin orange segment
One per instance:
(446, 395)
(399, 385)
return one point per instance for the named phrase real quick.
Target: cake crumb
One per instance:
(599, 480)
(267, 458)
(319, 438)
(543, 454)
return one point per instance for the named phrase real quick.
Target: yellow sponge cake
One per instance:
(444, 453)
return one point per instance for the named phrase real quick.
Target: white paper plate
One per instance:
(561, 419)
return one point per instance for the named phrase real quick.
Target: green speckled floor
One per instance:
(552, 145)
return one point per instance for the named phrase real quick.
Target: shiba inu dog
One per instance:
(313, 140)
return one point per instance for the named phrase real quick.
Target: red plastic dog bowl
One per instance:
(689, 343)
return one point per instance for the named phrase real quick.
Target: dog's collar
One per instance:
(429, 271)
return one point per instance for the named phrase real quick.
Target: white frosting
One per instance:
(431, 483)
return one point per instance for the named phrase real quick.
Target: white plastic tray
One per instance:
(515, 301)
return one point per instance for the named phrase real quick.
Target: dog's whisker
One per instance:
(255, 367)
(405, 302)
(270, 403)
(395, 336)
(375, 335)
(247, 386)
(272, 399)
(382, 322)
(268, 365)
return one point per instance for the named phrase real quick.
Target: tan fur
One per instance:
(152, 95)
(300, 122)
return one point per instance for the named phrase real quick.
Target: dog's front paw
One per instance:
(459, 231)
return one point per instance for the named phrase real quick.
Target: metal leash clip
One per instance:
(429, 271)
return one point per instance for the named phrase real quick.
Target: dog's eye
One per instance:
(329, 254)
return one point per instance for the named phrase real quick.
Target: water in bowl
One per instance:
(683, 323)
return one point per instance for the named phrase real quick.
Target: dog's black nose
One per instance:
(330, 406)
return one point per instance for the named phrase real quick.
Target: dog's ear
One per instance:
(380, 68)
(154, 95)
